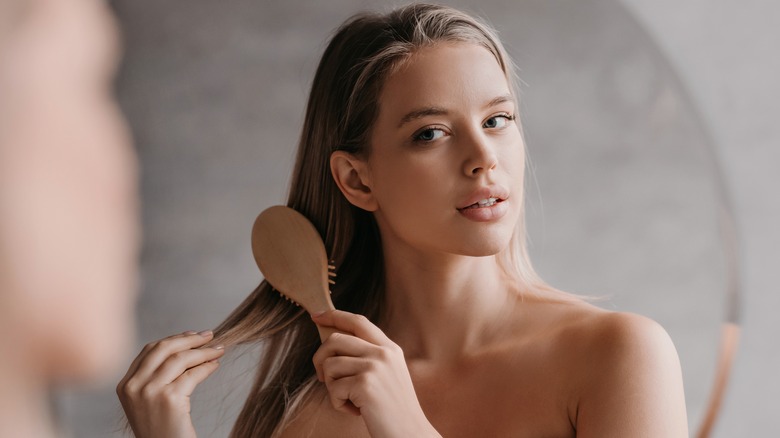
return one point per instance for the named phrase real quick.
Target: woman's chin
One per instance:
(483, 247)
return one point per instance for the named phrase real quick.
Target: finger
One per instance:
(133, 368)
(160, 351)
(179, 362)
(339, 367)
(353, 323)
(340, 391)
(341, 344)
(190, 379)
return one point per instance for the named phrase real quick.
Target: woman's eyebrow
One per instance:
(422, 112)
(499, 100)
(437, 111)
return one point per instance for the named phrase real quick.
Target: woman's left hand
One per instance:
(363, 366)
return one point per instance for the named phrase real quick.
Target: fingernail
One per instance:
(205, 333)
(219, 347)
(190, 332)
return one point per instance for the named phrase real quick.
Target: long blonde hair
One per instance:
(341, 110)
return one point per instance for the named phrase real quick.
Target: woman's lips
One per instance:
(488, 202)
(487, 213)
(485, 192)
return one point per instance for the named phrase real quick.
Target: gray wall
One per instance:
(643, 119)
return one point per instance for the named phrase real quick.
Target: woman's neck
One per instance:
(441, 308)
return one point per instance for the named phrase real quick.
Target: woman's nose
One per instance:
(481, 156)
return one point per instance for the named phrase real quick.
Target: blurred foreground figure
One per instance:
(68, 206)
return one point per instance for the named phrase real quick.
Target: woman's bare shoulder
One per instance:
(582, 323)
(592, 323)
(620, 362)
(592, 335)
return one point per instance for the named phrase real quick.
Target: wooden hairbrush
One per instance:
(290, 254)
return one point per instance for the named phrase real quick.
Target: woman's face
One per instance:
(68, 195)
(446, 138)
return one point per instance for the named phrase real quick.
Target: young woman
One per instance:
(411, 166)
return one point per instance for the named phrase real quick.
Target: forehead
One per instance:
(447, 75)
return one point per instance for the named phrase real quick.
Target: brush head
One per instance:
(290, 254)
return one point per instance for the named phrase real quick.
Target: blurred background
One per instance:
(651, 135)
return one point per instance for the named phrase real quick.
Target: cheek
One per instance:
(512, 160)
(413, 196)
(413, 186)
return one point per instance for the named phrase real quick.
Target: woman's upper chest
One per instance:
(505, 394)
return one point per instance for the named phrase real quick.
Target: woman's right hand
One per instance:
(155, 392)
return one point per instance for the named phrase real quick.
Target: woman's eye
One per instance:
(498, 121)
(429, 134)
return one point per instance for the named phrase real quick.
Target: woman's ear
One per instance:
(352, 176)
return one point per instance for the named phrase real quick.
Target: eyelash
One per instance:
(416, 136)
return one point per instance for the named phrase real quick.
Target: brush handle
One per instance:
(325, 331)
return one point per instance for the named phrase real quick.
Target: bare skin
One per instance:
(69, 217)
(457, 353)
(561, 370)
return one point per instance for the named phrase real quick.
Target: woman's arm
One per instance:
(632, 385)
